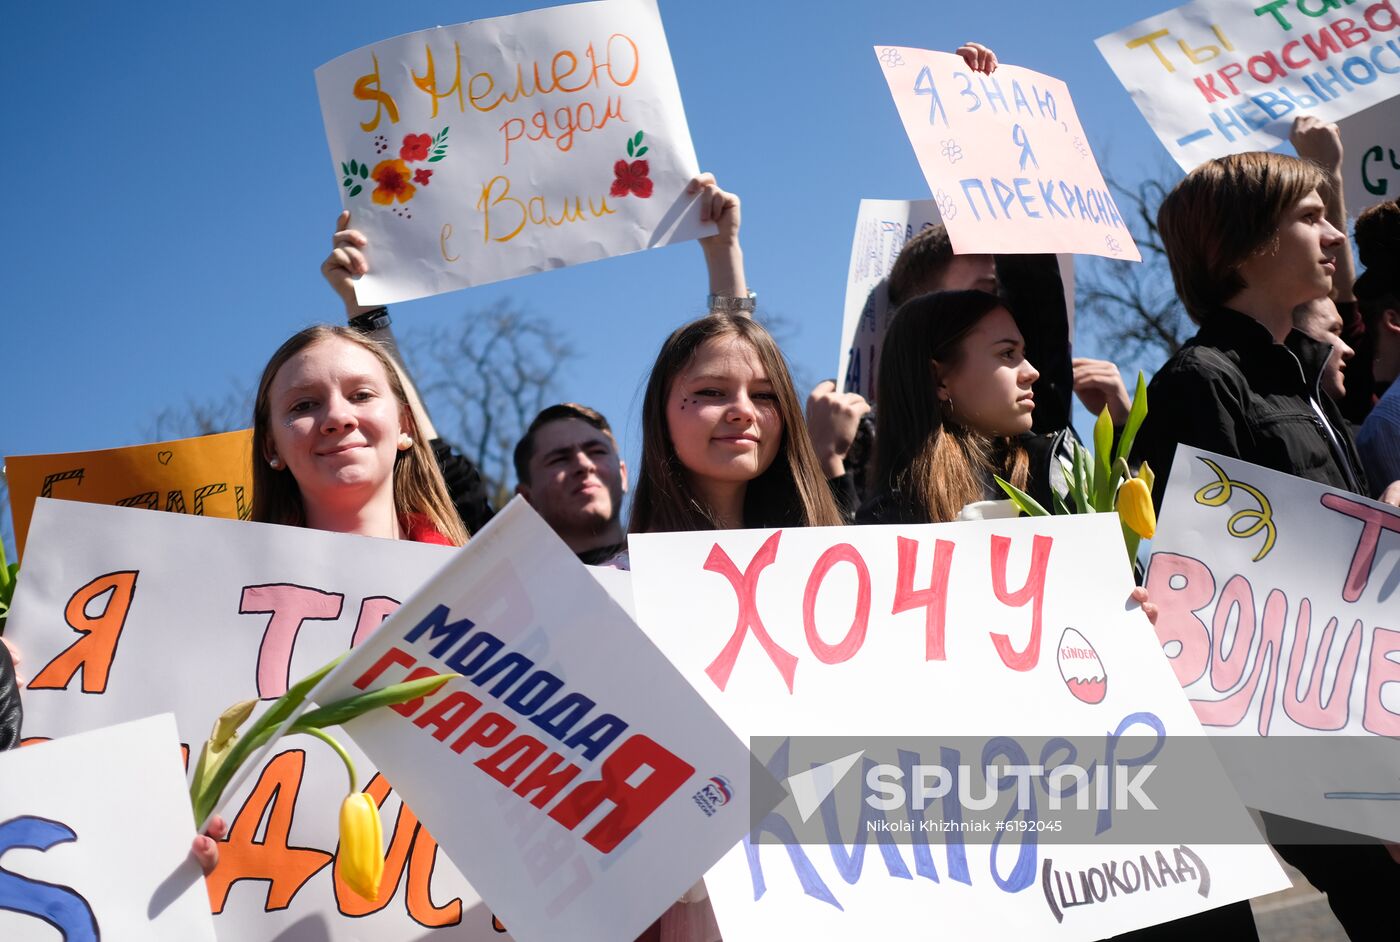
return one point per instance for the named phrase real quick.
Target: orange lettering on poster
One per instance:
(242, 856)
(411, 848)
(93, 653)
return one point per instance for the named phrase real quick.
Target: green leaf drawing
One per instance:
(344, 170)
(346, 182)
(637, 141)
(354, 166)
(355, 190)
(629, 147)
(364, 171)
(440, 136)
(435, 158)
(641, 151)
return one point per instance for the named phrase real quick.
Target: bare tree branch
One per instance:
(220, 413)
(1134, 304)
(484, 378)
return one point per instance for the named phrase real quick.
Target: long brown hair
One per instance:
(419, 489)
(933, 464)
(792, 492)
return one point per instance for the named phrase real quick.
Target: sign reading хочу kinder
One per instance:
(473, 153)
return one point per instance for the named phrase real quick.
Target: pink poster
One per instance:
(1005, 157)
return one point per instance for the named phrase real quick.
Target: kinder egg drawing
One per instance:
(1081, 668)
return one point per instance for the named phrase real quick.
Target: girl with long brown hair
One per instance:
(724, 443)
(335, 448)
(955, 397)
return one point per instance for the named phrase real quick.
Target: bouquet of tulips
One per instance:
(1103, 482)
(361, 833)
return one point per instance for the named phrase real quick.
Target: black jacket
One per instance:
(10, 712)
(1234, 391)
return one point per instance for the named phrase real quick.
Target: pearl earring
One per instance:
(405, 441)
(275, 463)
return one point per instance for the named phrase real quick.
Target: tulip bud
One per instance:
(1135, 507)
(360, 861)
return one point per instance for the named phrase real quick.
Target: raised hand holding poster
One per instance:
(1278, 601)
(1218, 77)
(474, 153)
(1005, 156)
(1371, 155)
(95, 834)
(205, 476)
(994, 632)
(566, 769)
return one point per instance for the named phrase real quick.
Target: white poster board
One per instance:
(95, 833)
(1278, 601)
(969, 629)
(153, 612)
(469, 154)
(882, 229)
(567, 767)
(1005, 157)
(1218, 77)
(1371, 156)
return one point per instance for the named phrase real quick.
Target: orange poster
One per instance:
(208, 476)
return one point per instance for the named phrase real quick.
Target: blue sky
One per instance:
(170, 194)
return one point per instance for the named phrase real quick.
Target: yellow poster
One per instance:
(209, 476)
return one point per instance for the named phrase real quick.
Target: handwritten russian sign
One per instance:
(882, 228)
(153, 612)
(999, 629)
(1218, 77)
(206, 476)
(474, 153)
(1278, 604)
(1006, 158)
(83, 858)
(1371, 155)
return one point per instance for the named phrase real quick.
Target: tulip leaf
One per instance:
(1135, 417)
(343, 711)
(1079, 488)
(1024, 502)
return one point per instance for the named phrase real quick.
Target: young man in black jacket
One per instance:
(1248, 241)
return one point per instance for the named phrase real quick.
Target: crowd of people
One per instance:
(1293, 368)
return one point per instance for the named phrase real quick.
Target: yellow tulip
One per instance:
(1135, 507)
(361, 857)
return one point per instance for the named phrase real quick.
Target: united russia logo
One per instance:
(714, 795)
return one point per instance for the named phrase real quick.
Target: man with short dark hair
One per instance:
(569, 469)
